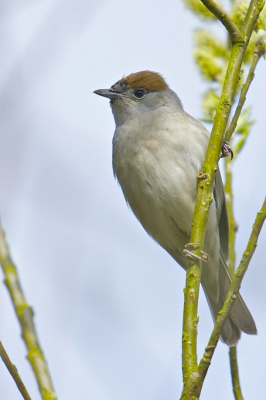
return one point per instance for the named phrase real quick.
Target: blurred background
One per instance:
(108, 300)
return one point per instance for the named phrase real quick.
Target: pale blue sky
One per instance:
(107, 299)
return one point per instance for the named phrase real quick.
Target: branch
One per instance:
(193, 387)
(25, 316)
(14, 373)
(232, 223)
(233, 292)
(257, 54)
(231, 263)
(234, 374)
(205, 197)
(253, 12)
(228, 23)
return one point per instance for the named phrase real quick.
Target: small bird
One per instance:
(158, 150)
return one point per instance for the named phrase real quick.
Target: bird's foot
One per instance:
(226, 150)
(204, 256)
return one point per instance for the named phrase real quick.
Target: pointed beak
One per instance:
(109, 93)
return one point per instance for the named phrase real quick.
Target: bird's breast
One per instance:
(158, 179)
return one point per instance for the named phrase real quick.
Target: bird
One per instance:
(158, 150)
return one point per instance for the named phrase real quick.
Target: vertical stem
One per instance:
(234, 373)
(190, 322)
(229, 301)
(205, 195)
(242, 98)
(200, 217)
(232, 260)
(230, 203)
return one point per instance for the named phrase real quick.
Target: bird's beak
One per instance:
(109, 93)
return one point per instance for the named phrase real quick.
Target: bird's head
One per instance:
(139, 94)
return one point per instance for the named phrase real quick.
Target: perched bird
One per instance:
(158, 150)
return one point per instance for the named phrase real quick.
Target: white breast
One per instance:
(156, 164)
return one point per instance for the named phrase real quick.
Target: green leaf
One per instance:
(239, 12)
(211, 68)
(244, 123)
(211, 55)
(209, 104)
(198, 8)
(212, 43)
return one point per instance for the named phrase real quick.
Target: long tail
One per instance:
(240, 318)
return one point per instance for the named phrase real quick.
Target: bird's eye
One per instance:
(139, 93)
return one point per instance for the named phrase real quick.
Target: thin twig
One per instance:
(258, 52)
(192, 374)
(225, 19)
(233, 291)
(14, 373)
(25, 316)
(194, 385)
(230, 211)
(242, 99)
(232, 258)
(253, 12)
(234, 374)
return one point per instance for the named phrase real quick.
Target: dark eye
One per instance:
(139, 93)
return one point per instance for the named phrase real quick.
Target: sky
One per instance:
(107, 299)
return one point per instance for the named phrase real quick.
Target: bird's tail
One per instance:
(240, 318)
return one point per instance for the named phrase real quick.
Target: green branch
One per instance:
(258, 52)
(231, 263)
(242, 99)
(233, 291)
(25, 316)
(232, 223)
(204, 200)
(14, 373)
(234, 374)
(194, 384)
(228, 23)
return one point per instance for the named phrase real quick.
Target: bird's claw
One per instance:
(204, 256)
(226, 150)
